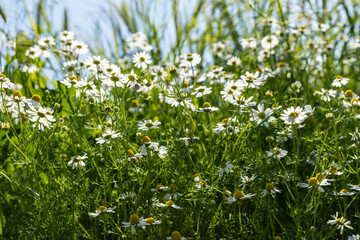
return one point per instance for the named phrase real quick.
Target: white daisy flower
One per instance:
(148, 124)
(269, 42)
(102, 209)
(276, 153)
(77, 161)
(261, 116)
(339, 81)
(225, 167)
(270, 189)
(201, 91)
(159, 74)
(341, 222)
(169, 203)
(175, 235)
(239, 195)
(190, 60)
(293, 115)
(141, 60)
(107, 136)
(42, 116)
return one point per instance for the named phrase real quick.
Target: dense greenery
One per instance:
(228, 120)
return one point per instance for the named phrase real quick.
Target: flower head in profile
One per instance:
(133, 222)
(207, 108)
(148, 124)
(190, 60)
(317, 182)
(340, 222)
(270, 189)
(175, 235)
(239, 195)
(169, 204)
(339, 81)
(102, 209)
(276, 153)
(107, 136)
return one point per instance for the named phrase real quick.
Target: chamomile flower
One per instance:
(276, 153)
(107, 136)
(246, 180)
(5, 82)
(316, 182)
(249, 42)
(293, 115)
(114, 80)
(168, 204)
(127, 196)
(134, 221)
(233, 61)
(344, 192)
(355, 135)
(148, 124)
(142, 60)
(42, 116)
(326, 95)
(171, 194)
(189, 139)
(339, 81)
(77, 161)
(270, 189)
(175, 235)
(354, 237)
(190, 60)
(262, 116)
(160, 188)
(73, 81)
(340, 222)
(269, 42)
(201, 91)
(354, 187)
(225, 167)
(102, 209)
(159, 74)
(239, 195)
(149, 221)
(207, 108)
(251, 80)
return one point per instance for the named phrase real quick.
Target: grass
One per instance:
(267, 151)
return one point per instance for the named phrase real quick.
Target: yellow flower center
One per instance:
(134, 219)
(349, 93)
(115, 79)
(312, 181)
(354, 101)
(72, 78)
(130, 153)
(184, 85)
(190, 135)
(36, 98)
(17, 94)
(239, 194)
(150, 220)
(293, 114)
(223, 165)
(339, 77)
(145, 139)
(262, 115)
(142, 59)
(344, 190)
(159, 187)
(175, 235)
(320, 177)
(2, 76)
(102, 208)
(333, 170)
(225, 120)
(269, 186)
(134, 103)
(169, 203)
(206, 105)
